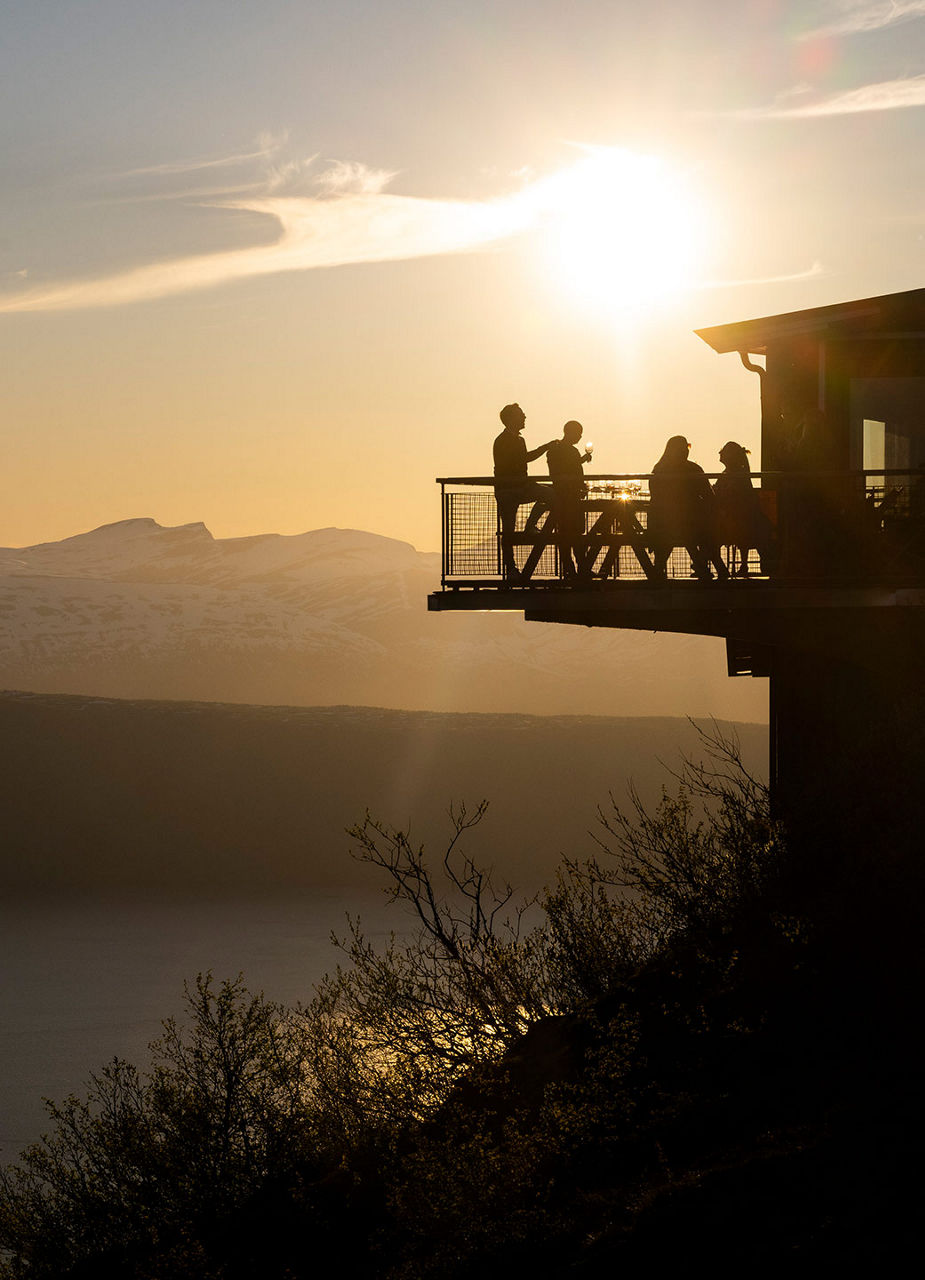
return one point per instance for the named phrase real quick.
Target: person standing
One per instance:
(740, 522)
(565, 469)
(512, 484)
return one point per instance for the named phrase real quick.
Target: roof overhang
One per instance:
(890, 313)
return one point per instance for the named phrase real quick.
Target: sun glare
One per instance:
(623, 232)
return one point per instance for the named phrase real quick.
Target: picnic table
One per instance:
(611, 519)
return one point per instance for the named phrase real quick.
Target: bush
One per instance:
(151, 1161)
(462, 1071)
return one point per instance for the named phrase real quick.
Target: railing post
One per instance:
(444, 535)
(498, 561)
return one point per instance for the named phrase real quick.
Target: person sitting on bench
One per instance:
(512, 484)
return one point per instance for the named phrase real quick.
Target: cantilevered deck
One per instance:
(838, 543)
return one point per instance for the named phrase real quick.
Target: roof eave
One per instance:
(753, 336)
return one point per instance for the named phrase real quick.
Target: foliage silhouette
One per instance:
(547, 1085)
(148, 1161)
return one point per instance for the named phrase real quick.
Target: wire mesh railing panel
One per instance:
(795, 527)
(471, 522)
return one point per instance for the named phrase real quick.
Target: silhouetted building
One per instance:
(833, 614)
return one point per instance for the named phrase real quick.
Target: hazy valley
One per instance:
(116, 795)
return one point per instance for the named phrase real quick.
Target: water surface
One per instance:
(83, 981)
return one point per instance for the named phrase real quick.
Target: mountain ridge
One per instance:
(134, 609)
(103, 794)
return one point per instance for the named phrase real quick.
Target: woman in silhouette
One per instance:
(681, 512)
(740, 522)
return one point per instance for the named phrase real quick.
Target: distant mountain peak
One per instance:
(143, 524)
(119, 532)
(134, 522)
(140, 549)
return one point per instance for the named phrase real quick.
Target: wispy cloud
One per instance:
(266, 170)
(888, 95)
(327, 231)
(344, 177)
(348, 216)
(854, 17)
(267, 146)
(816, 269)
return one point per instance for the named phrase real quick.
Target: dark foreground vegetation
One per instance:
(700, 1047)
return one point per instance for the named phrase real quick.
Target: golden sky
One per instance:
(276, 266)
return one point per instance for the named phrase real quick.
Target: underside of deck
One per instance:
(813, 618)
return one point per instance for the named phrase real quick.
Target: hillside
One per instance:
(717, 1072)
(167, 795)
(333, 616)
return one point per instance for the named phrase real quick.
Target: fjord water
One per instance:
(86, 980)
(148, 842)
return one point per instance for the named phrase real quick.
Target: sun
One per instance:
(622, 231)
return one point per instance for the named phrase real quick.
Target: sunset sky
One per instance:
(277, 265)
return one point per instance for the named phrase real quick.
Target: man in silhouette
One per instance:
(512, 485)
(565, 467)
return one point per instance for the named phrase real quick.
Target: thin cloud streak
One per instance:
(268, 145)
(204, 195)
(888, 95)
(860, 18)
(816, 269)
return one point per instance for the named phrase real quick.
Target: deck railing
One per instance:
(863, 526)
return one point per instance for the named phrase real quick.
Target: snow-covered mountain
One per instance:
(329, 617)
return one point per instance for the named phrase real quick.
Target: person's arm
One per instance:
(535, 453)
(700, 487)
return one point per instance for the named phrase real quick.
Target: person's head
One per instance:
(513, 417)
(734, 456)
(676, 451)
(571, 432)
